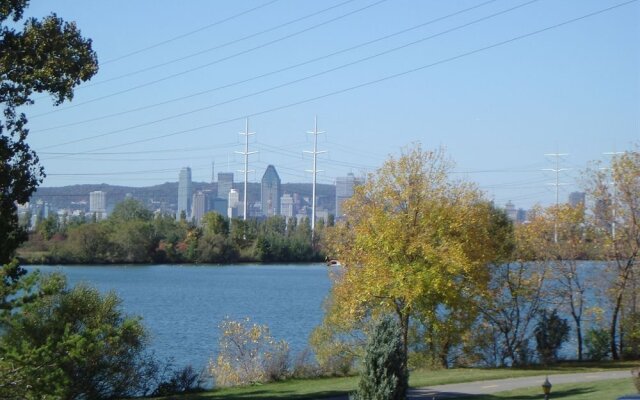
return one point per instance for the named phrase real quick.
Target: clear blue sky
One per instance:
(171, 78)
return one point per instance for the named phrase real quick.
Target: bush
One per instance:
(385, 374)
(186, 380)
(304, 367)
(597, 344)
(247, 354)
(550, 332)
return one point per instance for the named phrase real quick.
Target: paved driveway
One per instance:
(501, 385)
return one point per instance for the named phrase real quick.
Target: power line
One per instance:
(225, 86)
(217, 47)
(289, 83)
(372, 82)
(219, 60)
(182, 36)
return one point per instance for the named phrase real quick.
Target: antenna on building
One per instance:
(614, 191)
(314, 171)
(246, 171)
(557, 184)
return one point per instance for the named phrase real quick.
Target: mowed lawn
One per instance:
(330, 387)
(605, 390)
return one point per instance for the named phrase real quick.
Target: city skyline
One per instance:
(498, 84)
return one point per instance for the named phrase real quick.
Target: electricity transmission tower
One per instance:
(246, 153)
(557, 184)
(314, 171)
(613, 192)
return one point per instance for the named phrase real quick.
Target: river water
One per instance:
(182, 305)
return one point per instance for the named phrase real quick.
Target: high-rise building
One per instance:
(199, 206)
(286, 206)
(225, 184)
(511, 211)
(234, 201)
(344, 191)
(98, 204)
(576, 198)
(270, 192)
(184, 192)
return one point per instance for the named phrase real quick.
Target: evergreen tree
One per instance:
(551, 332)
(385, 376)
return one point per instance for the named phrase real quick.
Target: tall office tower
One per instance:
(98, 204)
(199, 206)
(225, 184)
(270, 192)
(286, 206)
(511, 211)
(234, 201)
(344, 191)
(184, 192)
(576, 198)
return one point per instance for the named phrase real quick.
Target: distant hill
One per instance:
(76, 196)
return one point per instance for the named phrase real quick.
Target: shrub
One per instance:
(186, 380)
(247, 354)
(550, 332)
(385, 373)
(597, 344)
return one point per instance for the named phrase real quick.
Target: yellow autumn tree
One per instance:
(413, 242)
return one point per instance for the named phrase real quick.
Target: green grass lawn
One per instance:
(608, 390)
(329, 387)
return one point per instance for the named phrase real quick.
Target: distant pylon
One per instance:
(314, 171)
(557, 184)
(246, 171)
(614, 192)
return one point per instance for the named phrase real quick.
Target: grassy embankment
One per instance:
(330, 387)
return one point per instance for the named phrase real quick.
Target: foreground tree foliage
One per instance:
(616, 213)
(414, 242)
(72, 344)
(47, 55)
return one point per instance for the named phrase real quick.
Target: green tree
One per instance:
(130, 209)
(215, 224)
(385, 375)
(73, 344)
(412, 240)
(48, 227)
(550, 333)
(41, 55)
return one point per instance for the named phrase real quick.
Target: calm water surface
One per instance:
(183, 305)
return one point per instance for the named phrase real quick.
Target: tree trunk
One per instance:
(612, 329)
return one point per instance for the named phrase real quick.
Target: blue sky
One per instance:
(177, 79)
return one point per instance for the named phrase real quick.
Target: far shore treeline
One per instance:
(133, 234)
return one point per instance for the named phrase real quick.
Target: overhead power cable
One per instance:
(217, 47)
(264, 75)
(372, 82)
(289, 83)
(184, 35)
(217, 61)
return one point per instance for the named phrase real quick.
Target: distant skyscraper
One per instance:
(234, 201)
(270, 192)
(344, 191)
(576, 198)
(98, 204)
(511, 211)
(184, 192)
(199, 206)
(286, 206)
(225, 184)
